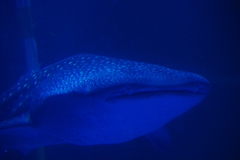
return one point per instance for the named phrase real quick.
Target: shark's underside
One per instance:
(88, 99)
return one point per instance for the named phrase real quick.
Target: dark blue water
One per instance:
(201, 36)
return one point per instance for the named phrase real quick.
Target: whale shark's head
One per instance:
(114, 96)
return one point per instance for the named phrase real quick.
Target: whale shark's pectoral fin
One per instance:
(160, 139)
(21, 120)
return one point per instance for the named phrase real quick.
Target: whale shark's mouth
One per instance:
(143, 91)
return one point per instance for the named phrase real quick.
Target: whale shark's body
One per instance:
(88, 100)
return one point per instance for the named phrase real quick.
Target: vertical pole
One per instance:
(30, 47)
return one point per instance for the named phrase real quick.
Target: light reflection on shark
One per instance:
(88, 100)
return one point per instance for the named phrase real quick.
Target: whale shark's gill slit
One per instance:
(13, 101)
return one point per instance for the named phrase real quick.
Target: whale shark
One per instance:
(90, 100)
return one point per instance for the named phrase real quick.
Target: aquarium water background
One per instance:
(201, 36)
